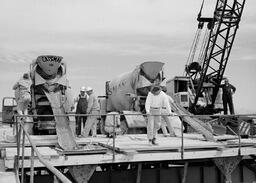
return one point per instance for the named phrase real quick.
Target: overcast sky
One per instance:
(101, 39)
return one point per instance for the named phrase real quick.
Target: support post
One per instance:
(227, 166)
(182, 141)
(139, 173)
(23, 154)
(185, 173)
(114, 137)
(82, 173)
(32, 166)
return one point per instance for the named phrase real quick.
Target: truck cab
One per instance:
(9, 108)
(178, 89)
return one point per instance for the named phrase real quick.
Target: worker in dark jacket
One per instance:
(227, 91)
(81, 108)
(156, 104)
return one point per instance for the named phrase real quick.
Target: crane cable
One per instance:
(195, 42)
(202, 52)
(193, 48)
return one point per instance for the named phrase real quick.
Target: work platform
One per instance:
(130, 148)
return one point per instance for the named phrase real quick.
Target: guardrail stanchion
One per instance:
(23, 154)
(32, 166)
(182, 141)
(239, 139)
(114, 136)
(16, 164)
(18, 134)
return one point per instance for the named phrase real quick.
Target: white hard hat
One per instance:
(89, 88)
(83, 88)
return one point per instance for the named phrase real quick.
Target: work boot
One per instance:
(154, 141)
(172, 134)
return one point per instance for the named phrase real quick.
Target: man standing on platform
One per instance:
(22, 94)
(156, 102)
(81, 108)
(227, 91)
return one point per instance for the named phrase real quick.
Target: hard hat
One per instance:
(83, 88)
(89, 88)
(26, 75)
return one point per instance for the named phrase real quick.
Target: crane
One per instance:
(207, 72)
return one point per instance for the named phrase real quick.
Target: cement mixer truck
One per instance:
(48, 74)
(126, 95)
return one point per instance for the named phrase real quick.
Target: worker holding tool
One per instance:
(81, 108)
(156, 104)
(92, 109)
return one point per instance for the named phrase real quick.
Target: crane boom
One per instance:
(223, 27)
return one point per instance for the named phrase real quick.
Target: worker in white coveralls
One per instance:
(156, 104)
(93, 109)
(22, 94)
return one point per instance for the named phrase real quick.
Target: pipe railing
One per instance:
(253, 116)
(20, 129)
(50, 167)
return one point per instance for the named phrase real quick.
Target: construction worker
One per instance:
(81, 108)
(93, 109)
(22, 94)
(156, 104)
(227, 91)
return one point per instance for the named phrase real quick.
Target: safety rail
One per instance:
(20, 130)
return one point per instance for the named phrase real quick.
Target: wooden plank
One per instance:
(137, 157)
(196, 124)
(165, 143)
(46, 152)
(85, 149)
(51, 140)
(243, 142)
(197, 136)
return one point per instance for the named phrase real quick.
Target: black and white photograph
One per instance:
(127, 91)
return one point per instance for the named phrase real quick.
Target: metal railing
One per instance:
(22, 134)
(20, 129)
